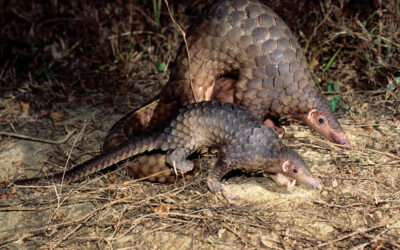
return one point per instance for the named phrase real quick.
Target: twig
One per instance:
(321, 202)
(66, 164)
(29, 138)
(356, 148)
(315, 30)
(79, 196)
(66, 236)
(355, 91)
(357, 232)
(238, 235)
(130, 33)
(185, 41)
(71, 222)
(149, 19)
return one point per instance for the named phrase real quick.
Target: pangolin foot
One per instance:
(215, 186)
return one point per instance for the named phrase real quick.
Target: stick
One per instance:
(356, 148)
(29, 138)
(186, 44)
(357, 232)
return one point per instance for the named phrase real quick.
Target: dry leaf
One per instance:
(111, 177)
(364, 107)
(20, 164)
(226, 235)
(124, 90)
(84, 98)
(24, 106)
(116, 226)
(270, 240)
(13, 190)
(162, 210)
(369, 128)
(109, 100)
(6, 118)
(44, 113)
(56, 116)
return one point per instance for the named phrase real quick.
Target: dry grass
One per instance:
(63, 62)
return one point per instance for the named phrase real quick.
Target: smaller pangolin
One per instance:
(242, 141)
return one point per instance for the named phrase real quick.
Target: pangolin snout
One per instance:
(316, 185)
(340, 138)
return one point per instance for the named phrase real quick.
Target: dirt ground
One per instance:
(69, 71)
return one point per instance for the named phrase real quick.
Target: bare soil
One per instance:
(70, 70)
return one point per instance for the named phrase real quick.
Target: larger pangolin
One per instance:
(243, 52)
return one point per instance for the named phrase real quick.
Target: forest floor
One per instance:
(70, 70)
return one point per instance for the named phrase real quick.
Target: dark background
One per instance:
(58, 51)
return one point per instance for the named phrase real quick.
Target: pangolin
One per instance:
(242, 140)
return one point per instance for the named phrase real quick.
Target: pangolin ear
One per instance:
(285, 166)
(312, 113)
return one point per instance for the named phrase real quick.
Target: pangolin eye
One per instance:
(321, 120)
(295, 170)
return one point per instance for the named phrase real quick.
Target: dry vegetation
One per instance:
(68, 66)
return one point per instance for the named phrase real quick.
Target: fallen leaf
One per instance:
(144, 223)
(44, 113)
(268, 242)
(127, 89)
(124, 90)
(253, 239)
(111, 177)
(24, 106)
(109, 100)
(56, 116)
(86, 98)
(364, 107)
(369, 128)
(226, 235)
(20, 164)
(162, 210)
(385, 127)
(135, 90)
(117, 110)
(6, 118)
(351, 172)
(116, 226)
(13, 190)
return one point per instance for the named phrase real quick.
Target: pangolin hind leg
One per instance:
(269, 122)
(154, 168)
(224, 89)
(221, 168)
